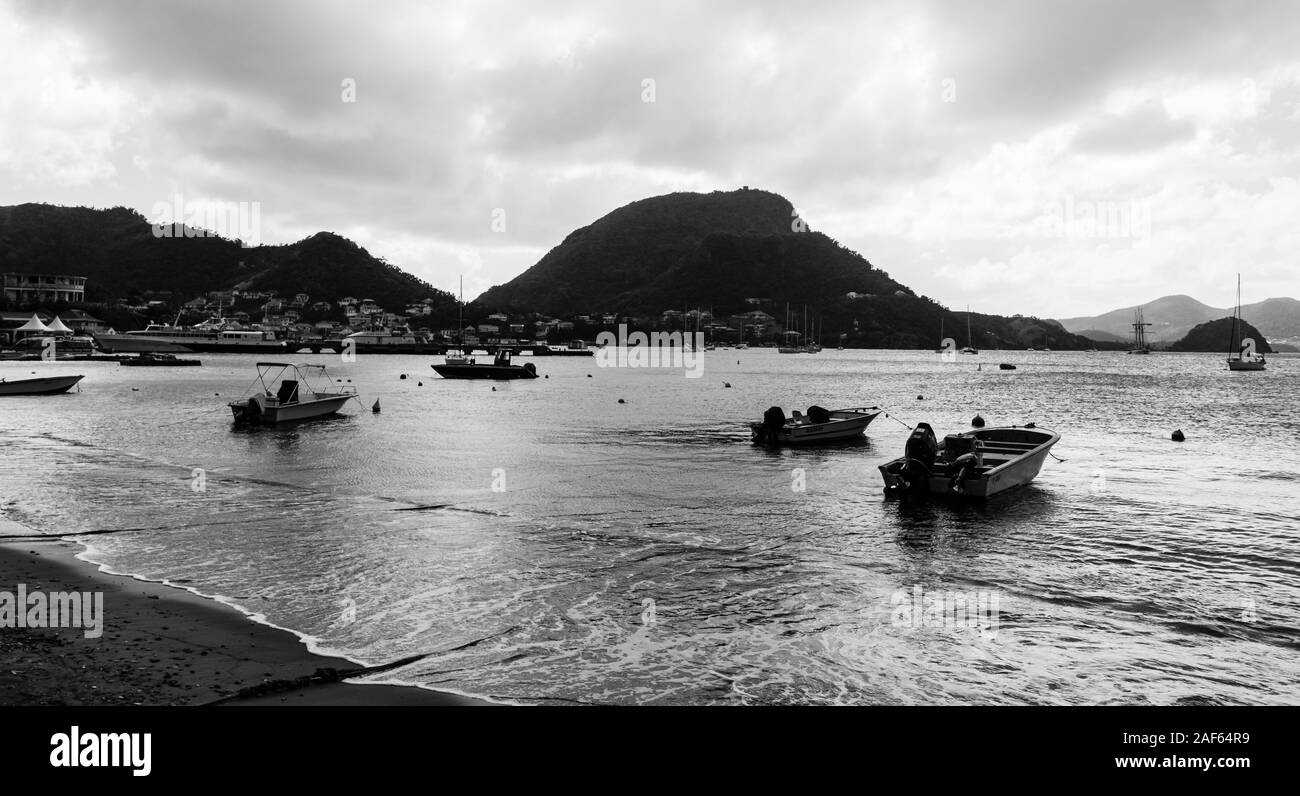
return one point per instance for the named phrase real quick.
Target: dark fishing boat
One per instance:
(500, 368)
(158, 360)
(977, 464)
(47, 385)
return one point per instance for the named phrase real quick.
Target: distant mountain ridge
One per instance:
(1172, 317)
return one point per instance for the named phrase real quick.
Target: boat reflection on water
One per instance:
(944, 526)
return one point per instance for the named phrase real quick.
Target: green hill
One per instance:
(117, 251)
(1214, 336)
(736, 251)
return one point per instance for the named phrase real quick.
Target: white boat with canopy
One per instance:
(293, 398)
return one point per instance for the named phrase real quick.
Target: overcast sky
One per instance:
(949, 143)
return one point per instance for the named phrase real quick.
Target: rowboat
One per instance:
(499, 369)
(819, 426)
(976, 464)
(293, 399)
(46, 385)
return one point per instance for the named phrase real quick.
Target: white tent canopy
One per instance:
(58, 326)
(34, 325)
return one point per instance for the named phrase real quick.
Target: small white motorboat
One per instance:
(47, 385)
(293, 398)
(817, 427)
(977, 464)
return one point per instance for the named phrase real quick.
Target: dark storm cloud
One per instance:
(900, 124)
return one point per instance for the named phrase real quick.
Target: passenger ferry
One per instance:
(395, 340)
(199, 339)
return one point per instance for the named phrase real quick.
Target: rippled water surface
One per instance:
(543, 542)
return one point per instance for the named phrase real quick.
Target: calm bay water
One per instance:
(513, 537)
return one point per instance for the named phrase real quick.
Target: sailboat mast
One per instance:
(1233, 345)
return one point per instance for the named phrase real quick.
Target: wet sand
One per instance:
(165, 646)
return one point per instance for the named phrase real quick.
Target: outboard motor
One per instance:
(773, 422)
(531, 368)
(920, 450)
(922, 445)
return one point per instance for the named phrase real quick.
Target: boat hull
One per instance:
(159, 363)
(142, 344)
(844, 425)
(1237, 364)
(49, 385)
(560, 351)
(397, 348)
(1006, 467)
(495, 372)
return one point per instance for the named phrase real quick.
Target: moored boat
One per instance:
(574, 348)
(45, 385)
(158, 360)
(1140, 344)
(214, 338)
(293, 398)
(499, 369)
(385, 340)
(976, 464)
(817, 427)
(969, 348)
(1241, 352)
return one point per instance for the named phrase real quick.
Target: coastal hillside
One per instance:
(611, 262)
(1214, 336)
(116, 250)
(741, 251)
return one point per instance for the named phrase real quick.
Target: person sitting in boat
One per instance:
(967, 463)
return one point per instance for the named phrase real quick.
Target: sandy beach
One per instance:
(165, 646)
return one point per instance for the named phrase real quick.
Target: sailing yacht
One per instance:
(1238, 358)
(459, 356)
(969, 349)
(811, 345)
(1140, 345)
